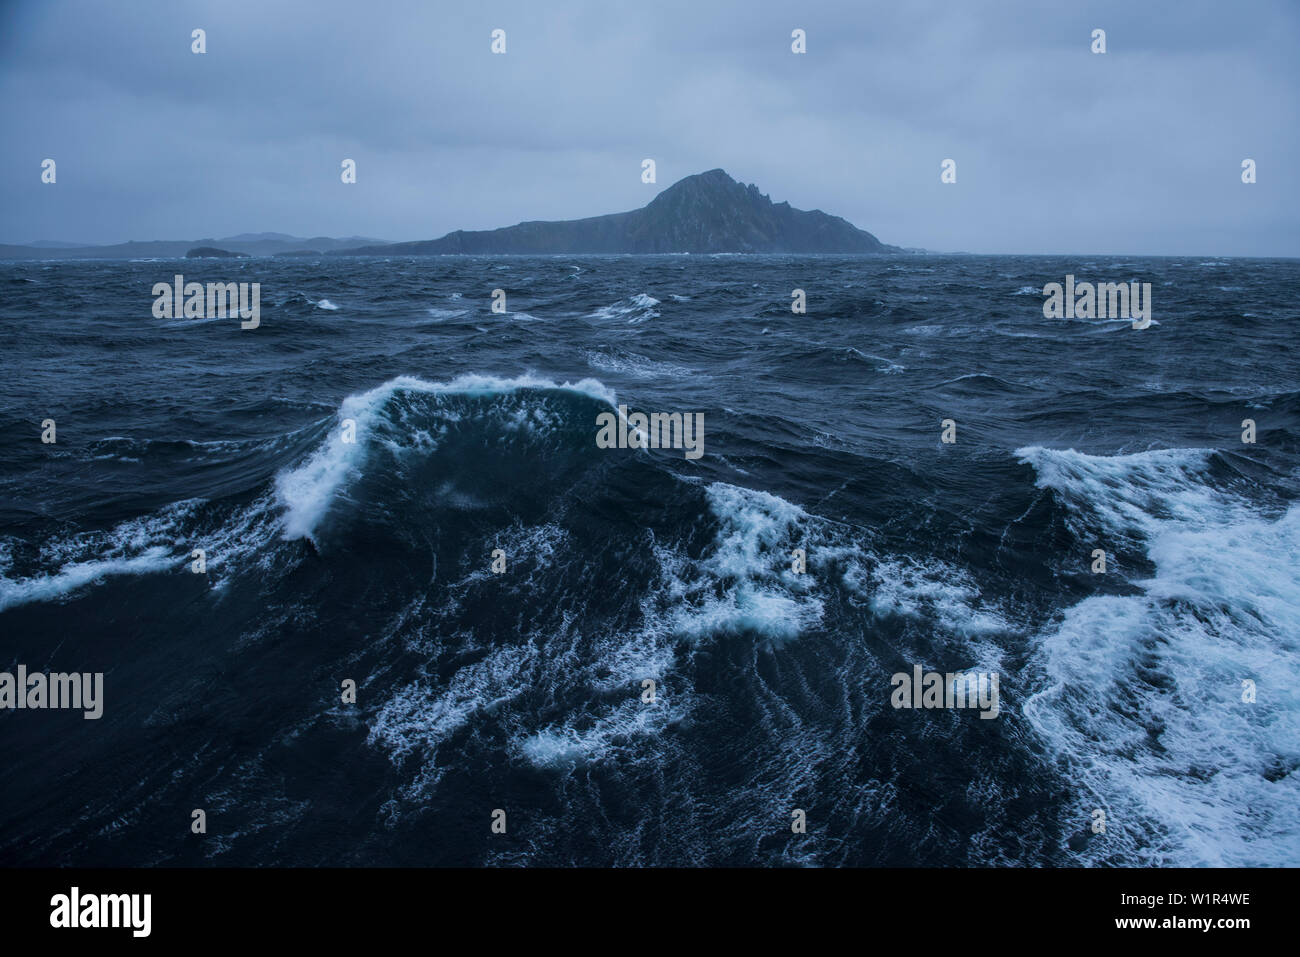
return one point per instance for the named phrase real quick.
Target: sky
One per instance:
(1137, 150)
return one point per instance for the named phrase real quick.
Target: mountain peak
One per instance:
(716, 175)
(710, 182)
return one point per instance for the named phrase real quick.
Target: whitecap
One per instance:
(1143, 696)
(307, 490)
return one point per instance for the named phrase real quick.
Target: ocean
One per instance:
(395, 489)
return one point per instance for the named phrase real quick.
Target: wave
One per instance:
(817, 354)
(442, 315)
(595, 680)
(932, 591)
(77, 575)
(162, 542)
(308, 490)
(581, 740)
(301, 303)
(980, 382)
(1144, 700)
(231, 532)
(751, 560)
(622, 569)
(635, 309)
(637, 366)
(1131, 497)
(883, 365)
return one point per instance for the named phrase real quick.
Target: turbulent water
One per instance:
(371, 561)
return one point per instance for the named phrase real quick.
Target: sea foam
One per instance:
(1144, 693)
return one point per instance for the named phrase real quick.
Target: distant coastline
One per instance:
(705, 213)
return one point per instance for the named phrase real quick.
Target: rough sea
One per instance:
(523, 690)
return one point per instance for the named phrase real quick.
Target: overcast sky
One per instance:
(1058, 149)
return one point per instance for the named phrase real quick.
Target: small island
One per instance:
(212, 252)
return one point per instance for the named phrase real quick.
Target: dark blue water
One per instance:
(522, 691)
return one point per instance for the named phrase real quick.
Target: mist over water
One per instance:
(476, 431)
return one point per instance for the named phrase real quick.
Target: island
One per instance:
(705, 213)
(212, 252)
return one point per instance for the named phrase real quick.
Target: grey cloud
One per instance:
(1058, 150)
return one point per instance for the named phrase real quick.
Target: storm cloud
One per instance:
(1058, 150)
